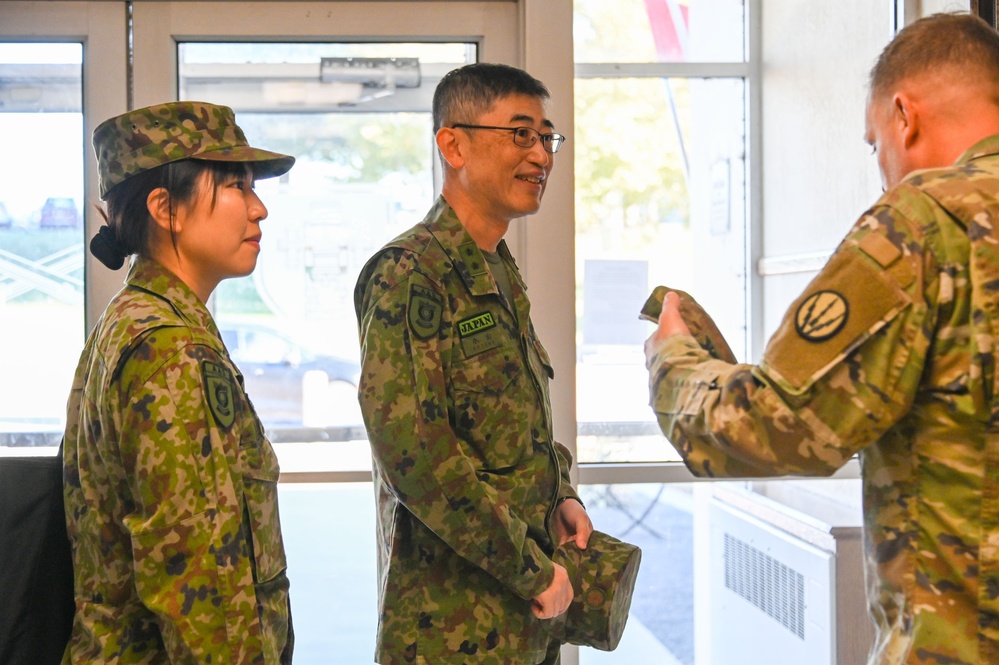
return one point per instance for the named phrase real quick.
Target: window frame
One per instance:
(519, 33)
(750, 72)
(100, 27)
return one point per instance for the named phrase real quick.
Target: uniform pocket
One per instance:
(261, 501)
(489, 407)
(270, 580)
(489, 372)
(546, 362)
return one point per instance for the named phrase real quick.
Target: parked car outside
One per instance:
(288, 383)
(59, 212)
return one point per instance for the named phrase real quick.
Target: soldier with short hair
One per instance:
(170, 483)
(472, 489)
(891, 352)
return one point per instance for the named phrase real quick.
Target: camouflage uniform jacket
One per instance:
(889, 352)
(171, 491)
(454, 392)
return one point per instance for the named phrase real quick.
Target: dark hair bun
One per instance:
(107, 249)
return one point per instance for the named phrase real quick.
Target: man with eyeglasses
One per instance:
(472, 489)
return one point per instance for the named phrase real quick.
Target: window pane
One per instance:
(41, 239)
(775, 571)
(659, 31)
(331, 567)
(659, 519)
(687, 573)
(660, 199)
(358, 119)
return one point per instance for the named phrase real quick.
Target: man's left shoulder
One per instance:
(956, 198)
(969, 180)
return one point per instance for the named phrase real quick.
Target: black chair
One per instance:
(36, 566)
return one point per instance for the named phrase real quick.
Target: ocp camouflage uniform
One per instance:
(454, 392)
(171, 491)
(890, 352)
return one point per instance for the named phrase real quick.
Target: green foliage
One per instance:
(629, 163)
(631, 133)
(598, 27)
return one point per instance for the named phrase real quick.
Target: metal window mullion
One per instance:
(622, 473)
(754, 187)
(358, 476)
(589, 474)
(625, 473)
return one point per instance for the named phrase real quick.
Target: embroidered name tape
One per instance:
(478, 333)
(476, 324)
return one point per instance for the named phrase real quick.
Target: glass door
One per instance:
(334, 85)
(337, 86)
(662, 138)
(357, 118)
(41, 237)
(48, 104)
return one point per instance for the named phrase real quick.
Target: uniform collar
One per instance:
(984, 148)
(150, 276)
(461, 249)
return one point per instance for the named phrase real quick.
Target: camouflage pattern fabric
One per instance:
(171, 491)
(603, 582)
(155, 135)
(700, 324)
(454, 393)
(890, 352)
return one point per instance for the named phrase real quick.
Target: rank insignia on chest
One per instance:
(478, 333)
(220, 392)
(424, 311)
(821, 315)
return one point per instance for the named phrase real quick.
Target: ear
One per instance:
(907, 118)
(158, 205)
(450, 145)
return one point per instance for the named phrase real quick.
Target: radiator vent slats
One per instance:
(773, 587)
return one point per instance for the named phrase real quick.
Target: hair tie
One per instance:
(107, 249)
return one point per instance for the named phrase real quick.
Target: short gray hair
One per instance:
(466, 93)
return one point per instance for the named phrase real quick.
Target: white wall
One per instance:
(927, 7)
(818, 175)
(547, 250)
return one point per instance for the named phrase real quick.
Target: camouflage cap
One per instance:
(702, 326)
(603, 580)
(145, 138)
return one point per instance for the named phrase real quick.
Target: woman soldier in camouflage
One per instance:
(171, 486)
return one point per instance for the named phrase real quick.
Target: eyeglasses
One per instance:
(525, 137)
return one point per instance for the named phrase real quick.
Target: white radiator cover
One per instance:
(783, 587)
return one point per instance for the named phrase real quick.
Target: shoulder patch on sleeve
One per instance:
(821, 316)
(848, 302)
(219, 390)
(424, 311)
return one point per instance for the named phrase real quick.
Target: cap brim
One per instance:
(265, 164)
